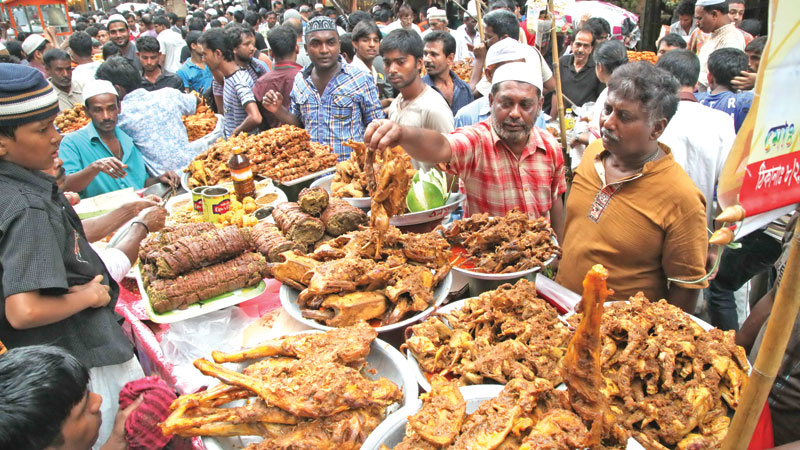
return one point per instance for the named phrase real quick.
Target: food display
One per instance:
(73, 119)
(313, 200)
(298, 226)
(350, 179)
(387, 186)
(642, 56)
(669, 381)
(270, 242)
(281, 154)
(366, 275)
(341, 217)
(308, 392)
(502, 334)
(187, 264)
(501, 244)
(201, 123)
(463, 68)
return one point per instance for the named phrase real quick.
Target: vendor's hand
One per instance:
(272, 102)
(581, 139)
(154, 217)
(117, 441)
(137, 206)
(94, 293)
(479, 51)
(382, 133)
(745, 81)
(169, 177)
(110, 166)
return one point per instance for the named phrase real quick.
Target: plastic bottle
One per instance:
(569, 119)
(242, 175)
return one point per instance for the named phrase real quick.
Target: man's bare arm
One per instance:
(423, 145)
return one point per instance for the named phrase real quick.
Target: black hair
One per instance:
(121, 72)
(233, 34)
(251, 18)
(503, 23)
(14, 48)
(196, 24)
(100, 27)
(685, 8)
(727, 63)
(447, 40)
(364, 28)
(346, 45)
(10, 59)
(147, 44)
(238, 17)
(502, 4)
(655, 88)
(406, 41)
(721, 7)
(109, 49)
(610, 54)
(192, 37)
(268, 13)
(599, 26)
(752, 26)
(39, 387)
(172, 17)
(756, 45)
(162, 21)
(673, 40)
(55, 54)
(586, 29)
(92, 31)
(682, 64)
(81, 44)
(80, 26)
(214, 39)
(282, 41)
(357, 16)
(214, 24)
(383, 15)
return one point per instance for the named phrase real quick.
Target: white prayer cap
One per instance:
(292, 14)
(117, 18)
(230, 10)
(319, 6)
(32, 43)
(472, 10)
(518, 71)
(223, 20)
(505, 50)
(709, 2)
(211, 12)
(436, 13)
(97, 87)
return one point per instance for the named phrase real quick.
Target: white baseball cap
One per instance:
(98, 87)
(505, 50)
(518, 71)
(32, 43)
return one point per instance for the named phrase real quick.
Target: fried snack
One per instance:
(152, 243)
(341, 217)
(463, 69)
(3, 348)
(201, 123)
(388, 187)
(73, 119)
(502, 334)
(269, 241)
(243, 271)
(313, 200)
(193, 252)
(282, 154)
(296, 225)
(442, 414)
(350, 179)
(668, 381)
(650, 57)
(503, 244)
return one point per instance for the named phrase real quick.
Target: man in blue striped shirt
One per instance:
(331, 99)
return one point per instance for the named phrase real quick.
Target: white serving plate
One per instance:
(383, 361)
(453, 202)
(202, 307)
(310, 176)
(289, 296)
(325, 183)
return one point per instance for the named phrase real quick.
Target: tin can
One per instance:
(197, 198)
(216, 202)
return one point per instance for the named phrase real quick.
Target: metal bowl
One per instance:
(392, 430)
(289, 296)
(325, 183)
(383, 361)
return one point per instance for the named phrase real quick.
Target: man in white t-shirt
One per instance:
(171, 44)
(700, 137)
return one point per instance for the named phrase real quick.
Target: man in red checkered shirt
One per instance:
(505, 162)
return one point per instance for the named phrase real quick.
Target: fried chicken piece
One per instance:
(344, 345)
(201, 417)
(337, 276)
(558, 429)
(388, 188)
(296, 270)
(442, 413)
(349, 309)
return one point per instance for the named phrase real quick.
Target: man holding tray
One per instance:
(505, 162)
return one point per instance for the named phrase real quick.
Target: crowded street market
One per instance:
(399, 224)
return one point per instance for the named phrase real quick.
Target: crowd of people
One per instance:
(640, 202)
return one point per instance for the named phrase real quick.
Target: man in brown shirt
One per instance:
(632, 208)
(283, 48)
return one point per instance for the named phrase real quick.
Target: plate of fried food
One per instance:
(502, 334)
(181, 208)
(71, 120)
(304, 390)
(501, 248)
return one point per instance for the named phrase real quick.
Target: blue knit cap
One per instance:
(25, 96)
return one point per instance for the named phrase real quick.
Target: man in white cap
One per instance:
(437, 19)
(712, 17)
(100, 157)
(468, 30)
(211, 14)
(34, 47)
(121, 37)
(505, 163)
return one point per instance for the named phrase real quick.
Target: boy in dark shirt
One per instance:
(54, 289)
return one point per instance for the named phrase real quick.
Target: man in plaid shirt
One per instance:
(332, 100)
(504, 162)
